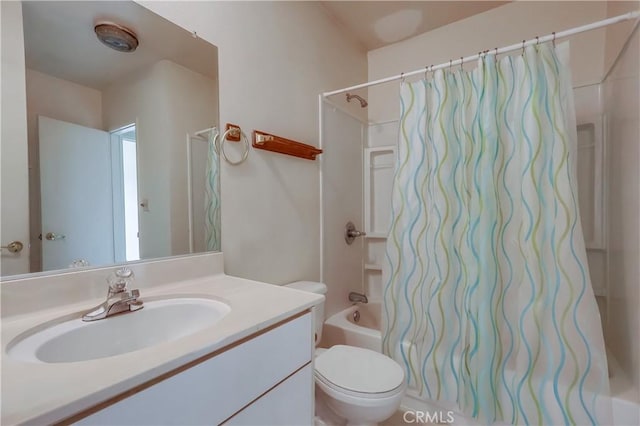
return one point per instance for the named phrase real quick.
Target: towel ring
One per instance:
(245, 141)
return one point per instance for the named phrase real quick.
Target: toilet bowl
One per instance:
(360, 386)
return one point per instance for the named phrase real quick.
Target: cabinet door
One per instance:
(214, 390)
(289, 403)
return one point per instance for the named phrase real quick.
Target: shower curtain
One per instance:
(212, 196)
(487, 299)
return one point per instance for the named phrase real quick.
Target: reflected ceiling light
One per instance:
(398, 25)
(116, 36)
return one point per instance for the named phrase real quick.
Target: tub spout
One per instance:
(357, 298)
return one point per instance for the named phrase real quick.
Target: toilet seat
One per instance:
(358, 372)
(339, 392)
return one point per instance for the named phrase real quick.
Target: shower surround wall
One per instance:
(342, 144)
(621, 101)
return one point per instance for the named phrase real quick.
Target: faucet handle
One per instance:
(124, 273)
(119, 280)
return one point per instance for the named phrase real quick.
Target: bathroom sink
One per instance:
(160, 321)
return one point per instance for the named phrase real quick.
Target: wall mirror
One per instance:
(118, 141)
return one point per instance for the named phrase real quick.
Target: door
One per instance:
(14, 178)
(76, 194)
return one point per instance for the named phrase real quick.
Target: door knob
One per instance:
(53, 237)
(14, 247)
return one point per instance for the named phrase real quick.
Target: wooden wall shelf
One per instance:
(269, 142)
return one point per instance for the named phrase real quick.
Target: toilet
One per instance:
(359, 386)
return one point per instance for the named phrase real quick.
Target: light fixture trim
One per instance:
(116, 36)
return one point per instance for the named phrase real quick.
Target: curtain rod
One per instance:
(496, 51)
(205, 131)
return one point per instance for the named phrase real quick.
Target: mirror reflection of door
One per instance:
(76, 196)
(125, 194)
(168, 87)
(88, 181)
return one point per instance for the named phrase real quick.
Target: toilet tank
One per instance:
(318, 310)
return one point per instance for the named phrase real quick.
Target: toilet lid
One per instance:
(359, 370)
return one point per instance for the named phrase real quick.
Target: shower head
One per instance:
(363, 102)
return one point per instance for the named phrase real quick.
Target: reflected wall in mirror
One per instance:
(119, 162)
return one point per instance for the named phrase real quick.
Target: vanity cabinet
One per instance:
(266, 378)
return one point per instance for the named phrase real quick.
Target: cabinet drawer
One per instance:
(290, 403)
(217, 388)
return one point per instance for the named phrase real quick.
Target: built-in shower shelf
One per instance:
(383, 166)
(591, 177)
(372, 267)
(378, 178)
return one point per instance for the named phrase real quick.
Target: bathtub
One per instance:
(343, 329)
(359, 325)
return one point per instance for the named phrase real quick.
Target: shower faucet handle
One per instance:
(351, 233)
(357, 298)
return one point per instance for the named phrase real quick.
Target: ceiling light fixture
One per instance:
(116, 36)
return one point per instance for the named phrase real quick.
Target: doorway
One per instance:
(125, 193)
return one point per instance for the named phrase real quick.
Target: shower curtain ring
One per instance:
(426, 70)
(554, 39)
(450, 62)
(495, 56)
(461, 62)
(523, 41)
(401, 78)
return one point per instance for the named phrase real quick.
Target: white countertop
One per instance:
(45, 393)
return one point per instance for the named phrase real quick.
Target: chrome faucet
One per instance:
(351, 233)
(357, 298)
(118, 298)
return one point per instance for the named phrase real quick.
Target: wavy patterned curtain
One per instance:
(212, 196)
(487, 297)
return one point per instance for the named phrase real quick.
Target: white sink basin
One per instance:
(158, 322)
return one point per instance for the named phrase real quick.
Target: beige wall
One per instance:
(166, 101)
(13, 149)
(274, 60)
(617, 35)
(497, 27)
(63, 100)
(622, 109)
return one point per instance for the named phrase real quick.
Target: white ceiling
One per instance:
(60, 41)
(379, 23)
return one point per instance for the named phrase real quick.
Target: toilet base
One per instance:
(325, 416)
(335, 412)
